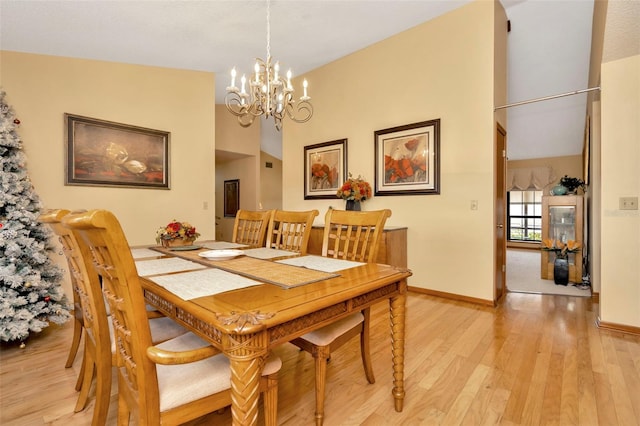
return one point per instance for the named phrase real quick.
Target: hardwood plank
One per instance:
(534, 359)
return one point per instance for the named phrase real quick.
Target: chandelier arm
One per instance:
(300, 112)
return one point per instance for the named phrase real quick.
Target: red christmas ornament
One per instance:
(47, 298)
(16, 121)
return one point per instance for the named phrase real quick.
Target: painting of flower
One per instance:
(324, 168)
(407, 159)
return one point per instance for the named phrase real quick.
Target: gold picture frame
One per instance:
(104, 153)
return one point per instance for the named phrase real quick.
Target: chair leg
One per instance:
(75, 343)
(103, 394)
(81, 374)
(123, 410)
(364, 348)
(320, 355)
(89, 371)
(270, 396)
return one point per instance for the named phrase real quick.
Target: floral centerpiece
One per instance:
(176, 234)
(354, 190)
(560, 249)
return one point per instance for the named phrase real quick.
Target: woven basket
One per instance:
(178, 242)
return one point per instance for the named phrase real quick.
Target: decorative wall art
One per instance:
(408, 159)
(103, 153)
(231, 197)
(325, 168)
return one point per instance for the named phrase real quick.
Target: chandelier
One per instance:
(268, 93)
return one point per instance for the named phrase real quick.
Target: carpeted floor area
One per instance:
(523, 276)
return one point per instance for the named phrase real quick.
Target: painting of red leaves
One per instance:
(325, 166)
(407, 159)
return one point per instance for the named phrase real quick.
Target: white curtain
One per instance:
(529, 177)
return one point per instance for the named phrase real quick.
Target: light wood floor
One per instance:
(534, 360)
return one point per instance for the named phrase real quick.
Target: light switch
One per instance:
(474, 204)
(628, 203)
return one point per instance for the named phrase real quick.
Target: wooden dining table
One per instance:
(277, 303)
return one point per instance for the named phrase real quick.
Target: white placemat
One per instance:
(268, 253)
(222, 245)
(165, 266)
(189, 285)
(320, 263)
(141, 253)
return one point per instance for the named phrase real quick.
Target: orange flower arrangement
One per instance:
(177, 230)
(559, 248)
(356, 189)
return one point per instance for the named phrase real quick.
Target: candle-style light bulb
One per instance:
(243, 80)
(276, 68)
(256, 67)
(289, 78)
(233, 77)
(304, 87)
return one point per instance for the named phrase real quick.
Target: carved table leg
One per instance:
(247, 354)
(398, 305)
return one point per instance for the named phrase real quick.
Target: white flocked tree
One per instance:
(31, 295)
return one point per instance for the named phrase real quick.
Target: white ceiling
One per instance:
(548, 53)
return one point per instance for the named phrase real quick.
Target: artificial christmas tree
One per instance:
(31, 295)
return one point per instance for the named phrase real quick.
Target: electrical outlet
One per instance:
(628, 203)
(205, 205)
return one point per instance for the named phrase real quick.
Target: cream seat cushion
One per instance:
(327, 334)
(183, 383)
(161, 329)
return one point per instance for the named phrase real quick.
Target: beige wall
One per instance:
(270, 182)
(620, 165)
(42, 88)
(440, 69)
(238, 157)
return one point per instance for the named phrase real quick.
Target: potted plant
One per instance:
(354, 191)
(176, 234)
(572, 184)
(561, 262)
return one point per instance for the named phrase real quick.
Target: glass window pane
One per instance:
(525, 215)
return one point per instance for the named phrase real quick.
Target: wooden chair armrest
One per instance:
(164, 357)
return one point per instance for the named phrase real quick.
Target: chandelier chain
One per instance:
(268, 28)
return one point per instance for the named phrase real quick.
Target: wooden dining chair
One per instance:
(95, 325)
(171, 383)
(98, 355)
(250, 227)
(355, 236)
(290, 230)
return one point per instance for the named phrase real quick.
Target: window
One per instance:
(524, 209)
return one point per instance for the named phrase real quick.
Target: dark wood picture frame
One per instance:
(104, 153)
(407, 159)
(231, 197)
(325, 169)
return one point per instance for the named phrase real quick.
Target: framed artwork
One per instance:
(103, 153)
(325, 169)
(231, 197)
(408, 159)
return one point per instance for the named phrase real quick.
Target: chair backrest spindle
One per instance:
(250, 227)
(353, 235)
(290, 230)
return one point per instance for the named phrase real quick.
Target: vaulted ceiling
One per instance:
(548, 46)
